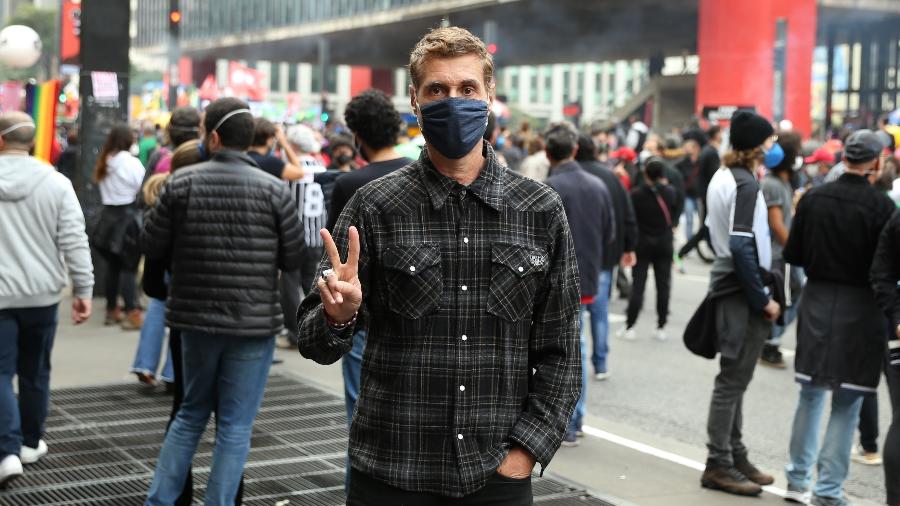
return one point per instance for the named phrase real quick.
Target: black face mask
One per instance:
(344, 159)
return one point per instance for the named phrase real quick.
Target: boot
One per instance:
(113, 317)
(771, 356)
(728, 479)
(742, 464)
(133, 320)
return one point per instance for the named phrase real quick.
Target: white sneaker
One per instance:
(627, 334)
(661, 335)
(32, 455)
(10, 469)
(798, 496)
(601, 376)
(863, 457)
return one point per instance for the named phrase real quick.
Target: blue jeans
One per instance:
(150, 346)
(351, 365)
(690, 207)
(26, 340)
(599, 312)
(228, 374)
(833, 459)
(578, 415)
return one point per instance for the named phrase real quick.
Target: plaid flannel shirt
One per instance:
(470, 299)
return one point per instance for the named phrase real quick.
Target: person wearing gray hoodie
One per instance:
(41, 236)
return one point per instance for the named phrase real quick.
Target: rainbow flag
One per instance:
(40, 102)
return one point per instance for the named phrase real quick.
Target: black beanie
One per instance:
(749, 130)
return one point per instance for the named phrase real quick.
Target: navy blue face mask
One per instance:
(774, 156)
(453, 126)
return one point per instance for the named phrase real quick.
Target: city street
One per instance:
(645, 425)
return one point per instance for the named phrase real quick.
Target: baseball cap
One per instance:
(822, 154)
(863, 146)
(624, 154)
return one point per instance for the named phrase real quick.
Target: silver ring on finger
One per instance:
(327, 273)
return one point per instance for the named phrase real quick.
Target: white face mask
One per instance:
(798, 163)
(812, 170)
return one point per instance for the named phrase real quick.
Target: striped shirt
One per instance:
(310, 201)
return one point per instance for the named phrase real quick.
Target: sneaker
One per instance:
(627, 334)
(570, 439)
(661, 335)
(145, 378)
(579, 433)
(865, 458)
(828, 501)
(797, 495)
(742, 464)
(730, 480)
(601, 376)
(284, 342)
(10, 469)
(771, 356)
(30, 455)
(133, 320)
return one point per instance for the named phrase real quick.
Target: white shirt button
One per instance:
(464, 288)
(412, 268)
(459, 436)
(465, 337)
(521, 269)
(462, 388)
(466, 240)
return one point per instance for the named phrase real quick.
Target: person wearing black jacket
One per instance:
(620, 251)
(654, 207)
(707, 164)
(840, 336)
(885, 276)
(228, 229)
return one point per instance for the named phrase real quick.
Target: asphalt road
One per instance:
(660, 388)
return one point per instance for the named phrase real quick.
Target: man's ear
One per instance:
(412, 100)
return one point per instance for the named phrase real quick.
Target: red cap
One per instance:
(624, 154)
(820, 155)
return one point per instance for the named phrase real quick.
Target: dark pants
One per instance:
(187, 493)
(655, 251)
(701, 235)
(499, 491)
(290, 300)
(725, 411)
(118, 280)
(868, 423)
(892, 441)
(308, 267)
(26, 340)
(622, 284)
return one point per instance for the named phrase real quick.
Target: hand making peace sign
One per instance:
(340, 289)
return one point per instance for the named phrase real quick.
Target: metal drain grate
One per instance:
(104, 442)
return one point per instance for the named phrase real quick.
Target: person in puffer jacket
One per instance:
(228, 228)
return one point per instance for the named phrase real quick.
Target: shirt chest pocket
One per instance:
(516, 273)
(413, 279)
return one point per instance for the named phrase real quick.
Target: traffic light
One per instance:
(492, 48)
(175, 17)
(324, 116)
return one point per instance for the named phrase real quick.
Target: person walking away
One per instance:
(43, 237)
(654, 204)
(375, 125)
(744, 310)
(154, 281)
(119, 175)
(838, 351)
(465, 274)
(535, 166)
(637, 133)
(228, 229)
(885, 276)
(779, 194)
(183, 126)
(693, 142)
(589, 209)
(295, 170)
(621, 251)
(69, 163)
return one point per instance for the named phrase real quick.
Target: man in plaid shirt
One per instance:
(465, 275)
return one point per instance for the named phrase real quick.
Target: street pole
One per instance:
(174, 51)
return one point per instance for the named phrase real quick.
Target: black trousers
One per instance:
(187, 493)
(868, 423)
(499, 491)
(653, 251)
(119, 280)
(289, 288)
(892, 441)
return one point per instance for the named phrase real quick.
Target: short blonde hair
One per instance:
(448, 42)
(152, 188)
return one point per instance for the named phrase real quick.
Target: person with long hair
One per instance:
(119, 175)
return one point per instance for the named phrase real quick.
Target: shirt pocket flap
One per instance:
(411, 260)
(521, 260)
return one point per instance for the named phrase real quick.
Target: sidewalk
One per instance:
(615, 463)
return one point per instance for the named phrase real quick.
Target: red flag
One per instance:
(209, 90)
(247, 82)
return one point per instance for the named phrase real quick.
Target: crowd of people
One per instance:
(453, 285)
